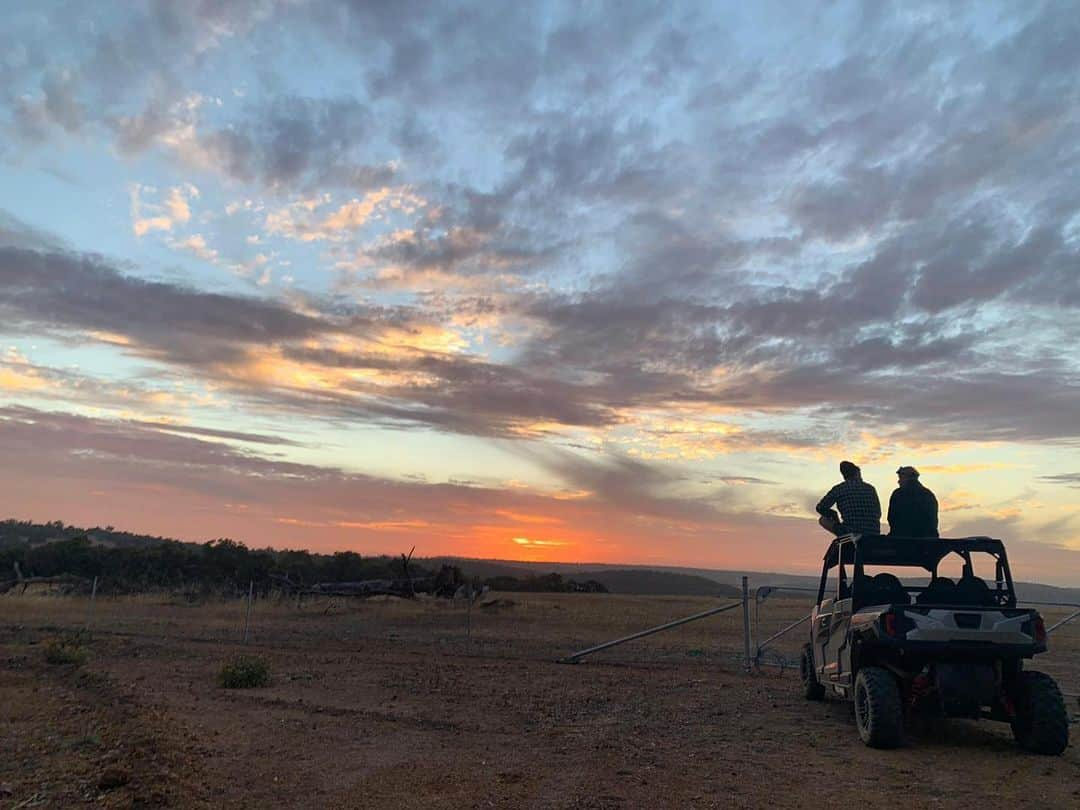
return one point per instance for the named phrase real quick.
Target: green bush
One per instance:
(65, 651)
(244, 672)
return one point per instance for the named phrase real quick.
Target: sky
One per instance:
(598, 282)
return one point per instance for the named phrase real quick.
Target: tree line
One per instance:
(140, 562)
(129, 563)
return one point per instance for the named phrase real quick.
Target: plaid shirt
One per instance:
(859, 507)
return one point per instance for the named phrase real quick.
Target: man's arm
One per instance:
(893, 508)
(877, 503)
(825, 505)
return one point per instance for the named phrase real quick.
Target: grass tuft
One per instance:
(65, 651)
(244, 672)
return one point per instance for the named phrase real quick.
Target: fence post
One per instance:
(90, 609)
(468, 610)
(247, 612)
(746, 622)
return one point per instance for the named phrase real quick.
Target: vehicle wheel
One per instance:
(812, 690)
(1041, 724)
(879, 712)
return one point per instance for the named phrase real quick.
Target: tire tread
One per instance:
(1042, 723)
(884, 727)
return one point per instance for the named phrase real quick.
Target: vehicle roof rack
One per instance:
(923, 552)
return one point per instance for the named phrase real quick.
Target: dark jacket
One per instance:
(913, 511)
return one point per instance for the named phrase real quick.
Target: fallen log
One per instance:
(447, 583)
(59, 579)
(405, 588)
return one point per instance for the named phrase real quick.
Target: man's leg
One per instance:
(831, 523)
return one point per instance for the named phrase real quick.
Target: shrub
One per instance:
(244, 672)
(65, 651)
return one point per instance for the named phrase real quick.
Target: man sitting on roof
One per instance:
(860, 509)
(912, 508)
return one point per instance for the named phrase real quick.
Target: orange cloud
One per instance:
(147, 216)
(13, 379)
(525, 541)
(373, 525)
(111, 338)
(696, 432)
(963, 469)
(521, 517)
(272, 366)
(18, 374)
(959, 501)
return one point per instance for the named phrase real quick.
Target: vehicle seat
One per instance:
(863, 591)
(889, 590)
(941, 591)
(973, 591)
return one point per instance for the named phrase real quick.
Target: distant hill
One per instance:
(489, 569)
(617, 579)
(730, 581)
(14, 533)
(1025, 591)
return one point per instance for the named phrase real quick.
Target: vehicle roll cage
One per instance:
(860, 550)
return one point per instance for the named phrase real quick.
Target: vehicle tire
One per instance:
(879, 712)
(812, 690)
(1041, 724)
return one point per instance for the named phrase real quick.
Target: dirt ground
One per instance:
(425, 704)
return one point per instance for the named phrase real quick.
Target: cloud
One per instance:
(1068, 479)
(742, 479)
(286, 144)
(62, 292)
(176, 205)
(55, 104)
(18, 375)
(163, 398)
(626, 483)
(361, 363)
(180, 457)
(175, 209)
(16, 233)
(196, 245)
(298, 220)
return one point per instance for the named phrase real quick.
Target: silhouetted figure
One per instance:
(912, 507)
(860, 509)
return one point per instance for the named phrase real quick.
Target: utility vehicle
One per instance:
(952, 645)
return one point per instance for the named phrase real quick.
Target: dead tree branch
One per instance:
(59, 579)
